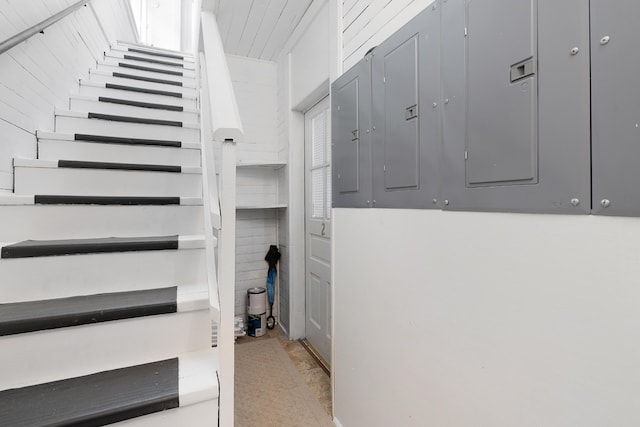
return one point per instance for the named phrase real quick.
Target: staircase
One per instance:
(105, 312)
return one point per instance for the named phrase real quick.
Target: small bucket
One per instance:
(256, 312)
(256, 324)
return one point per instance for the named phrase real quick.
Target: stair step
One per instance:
(127, 127)
(158, 69)
(102, 272)
(160, 54)
(139, 89)
(96, 200)
(162, 387)
(42, 248)
(158, 82)
(120, 51)
(31, 316)
(148, 60)
(97, 399)
(95, 89)
(46, 177)
(94, 151)
(61, 217)
(138, 82)
(123, 44)
(127, 107)
(129, 119)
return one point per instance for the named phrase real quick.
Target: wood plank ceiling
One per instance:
(257, 28)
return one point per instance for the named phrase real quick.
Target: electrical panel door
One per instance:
(615, 107)
(406, 134)
(502, 94)
(515, 89)
(351, 137)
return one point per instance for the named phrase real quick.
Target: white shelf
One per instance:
(274, 206)
(271, 164)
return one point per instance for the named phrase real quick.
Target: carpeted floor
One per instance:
(269, 391)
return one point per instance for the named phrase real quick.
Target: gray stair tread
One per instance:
(36, 248)
(104, 200)
(31, 316)
(94, 400)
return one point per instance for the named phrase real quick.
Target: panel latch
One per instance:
(411, 112)
(355, 135)
(523, 69)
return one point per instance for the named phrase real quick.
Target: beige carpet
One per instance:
(269, 391)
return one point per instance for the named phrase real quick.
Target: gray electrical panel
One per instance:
(515, 106)
(615, 107)
(406, 122)
(351, 137)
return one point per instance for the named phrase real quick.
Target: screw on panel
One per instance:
(446, 101)
(435, 201)
(574, 51)
(374, 202)
(374, 128)
(605, 40)
(435, 104)
(575, 202)
(368, 131)
(446, 202)
(605, 203)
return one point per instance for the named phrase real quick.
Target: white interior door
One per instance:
(318, 227)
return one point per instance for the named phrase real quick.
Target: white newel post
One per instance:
(227, 275)
(226, 129)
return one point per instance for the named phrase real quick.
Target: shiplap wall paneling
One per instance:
(255, 86)
(367, 23)
(257, 187)
(17, 16)
(39, 74)
(256, 230)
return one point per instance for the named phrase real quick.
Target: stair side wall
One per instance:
(38, 74)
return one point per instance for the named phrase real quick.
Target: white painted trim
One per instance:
(274, 164)
(191, 242)
(225, 117)
(192, 298)
(197, 377)
(191, 201)
(13, 200)
(227, 272)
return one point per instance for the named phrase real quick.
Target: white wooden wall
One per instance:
(255, 85)
(38, 75)
(367, 23)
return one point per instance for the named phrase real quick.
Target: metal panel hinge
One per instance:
(384, 168)
(384, 79)
(466, 155)
(466, 32)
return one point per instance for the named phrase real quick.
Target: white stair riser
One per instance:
(100, 78)
(65, 124)
(136, 96)
(115, 62)
(115, 55)
(49, 222)
(202, 414)
(118, 153)
(99, 182)
(82, 350)
(96, 106)
(53, 277)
